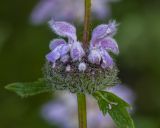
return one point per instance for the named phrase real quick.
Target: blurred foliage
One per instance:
(23, 46)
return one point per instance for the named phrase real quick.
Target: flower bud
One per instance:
(68, 68)
(82, 67)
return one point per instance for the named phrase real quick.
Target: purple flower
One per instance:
(77, 51)
(65, 10)
(60, 49)
(102, 43)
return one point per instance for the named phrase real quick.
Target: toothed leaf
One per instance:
(115, 107)
(29, 89)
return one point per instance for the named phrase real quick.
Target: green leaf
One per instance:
(29, 89)
(116, 107)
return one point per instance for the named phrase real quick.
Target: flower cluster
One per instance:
(71, 67)
(101, 44)
(46, 9)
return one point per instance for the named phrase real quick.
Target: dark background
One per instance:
(23, 46)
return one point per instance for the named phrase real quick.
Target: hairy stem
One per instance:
(87, 15)
(81, 98)
(82, 116)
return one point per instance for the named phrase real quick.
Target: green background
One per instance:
(23, 46)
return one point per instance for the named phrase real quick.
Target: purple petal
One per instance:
(94, 56)
(107, 61)
(99, 31)
(53, 56)
(63, 29)
(109, 44)
(104, 30)
(56, 42)
(77, 51)
(64, 49)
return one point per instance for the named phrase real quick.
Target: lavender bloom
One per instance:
(102, 43)
(57, 51)
(63, 111)
(60, 49)
(77, 51)
(65, 10)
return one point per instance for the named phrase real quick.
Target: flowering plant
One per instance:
(71, 67)
(82, 69)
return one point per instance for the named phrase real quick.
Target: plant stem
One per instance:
(82, 116)
(87, 15)
(81, 98)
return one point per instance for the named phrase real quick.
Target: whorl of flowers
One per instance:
(69, 59)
